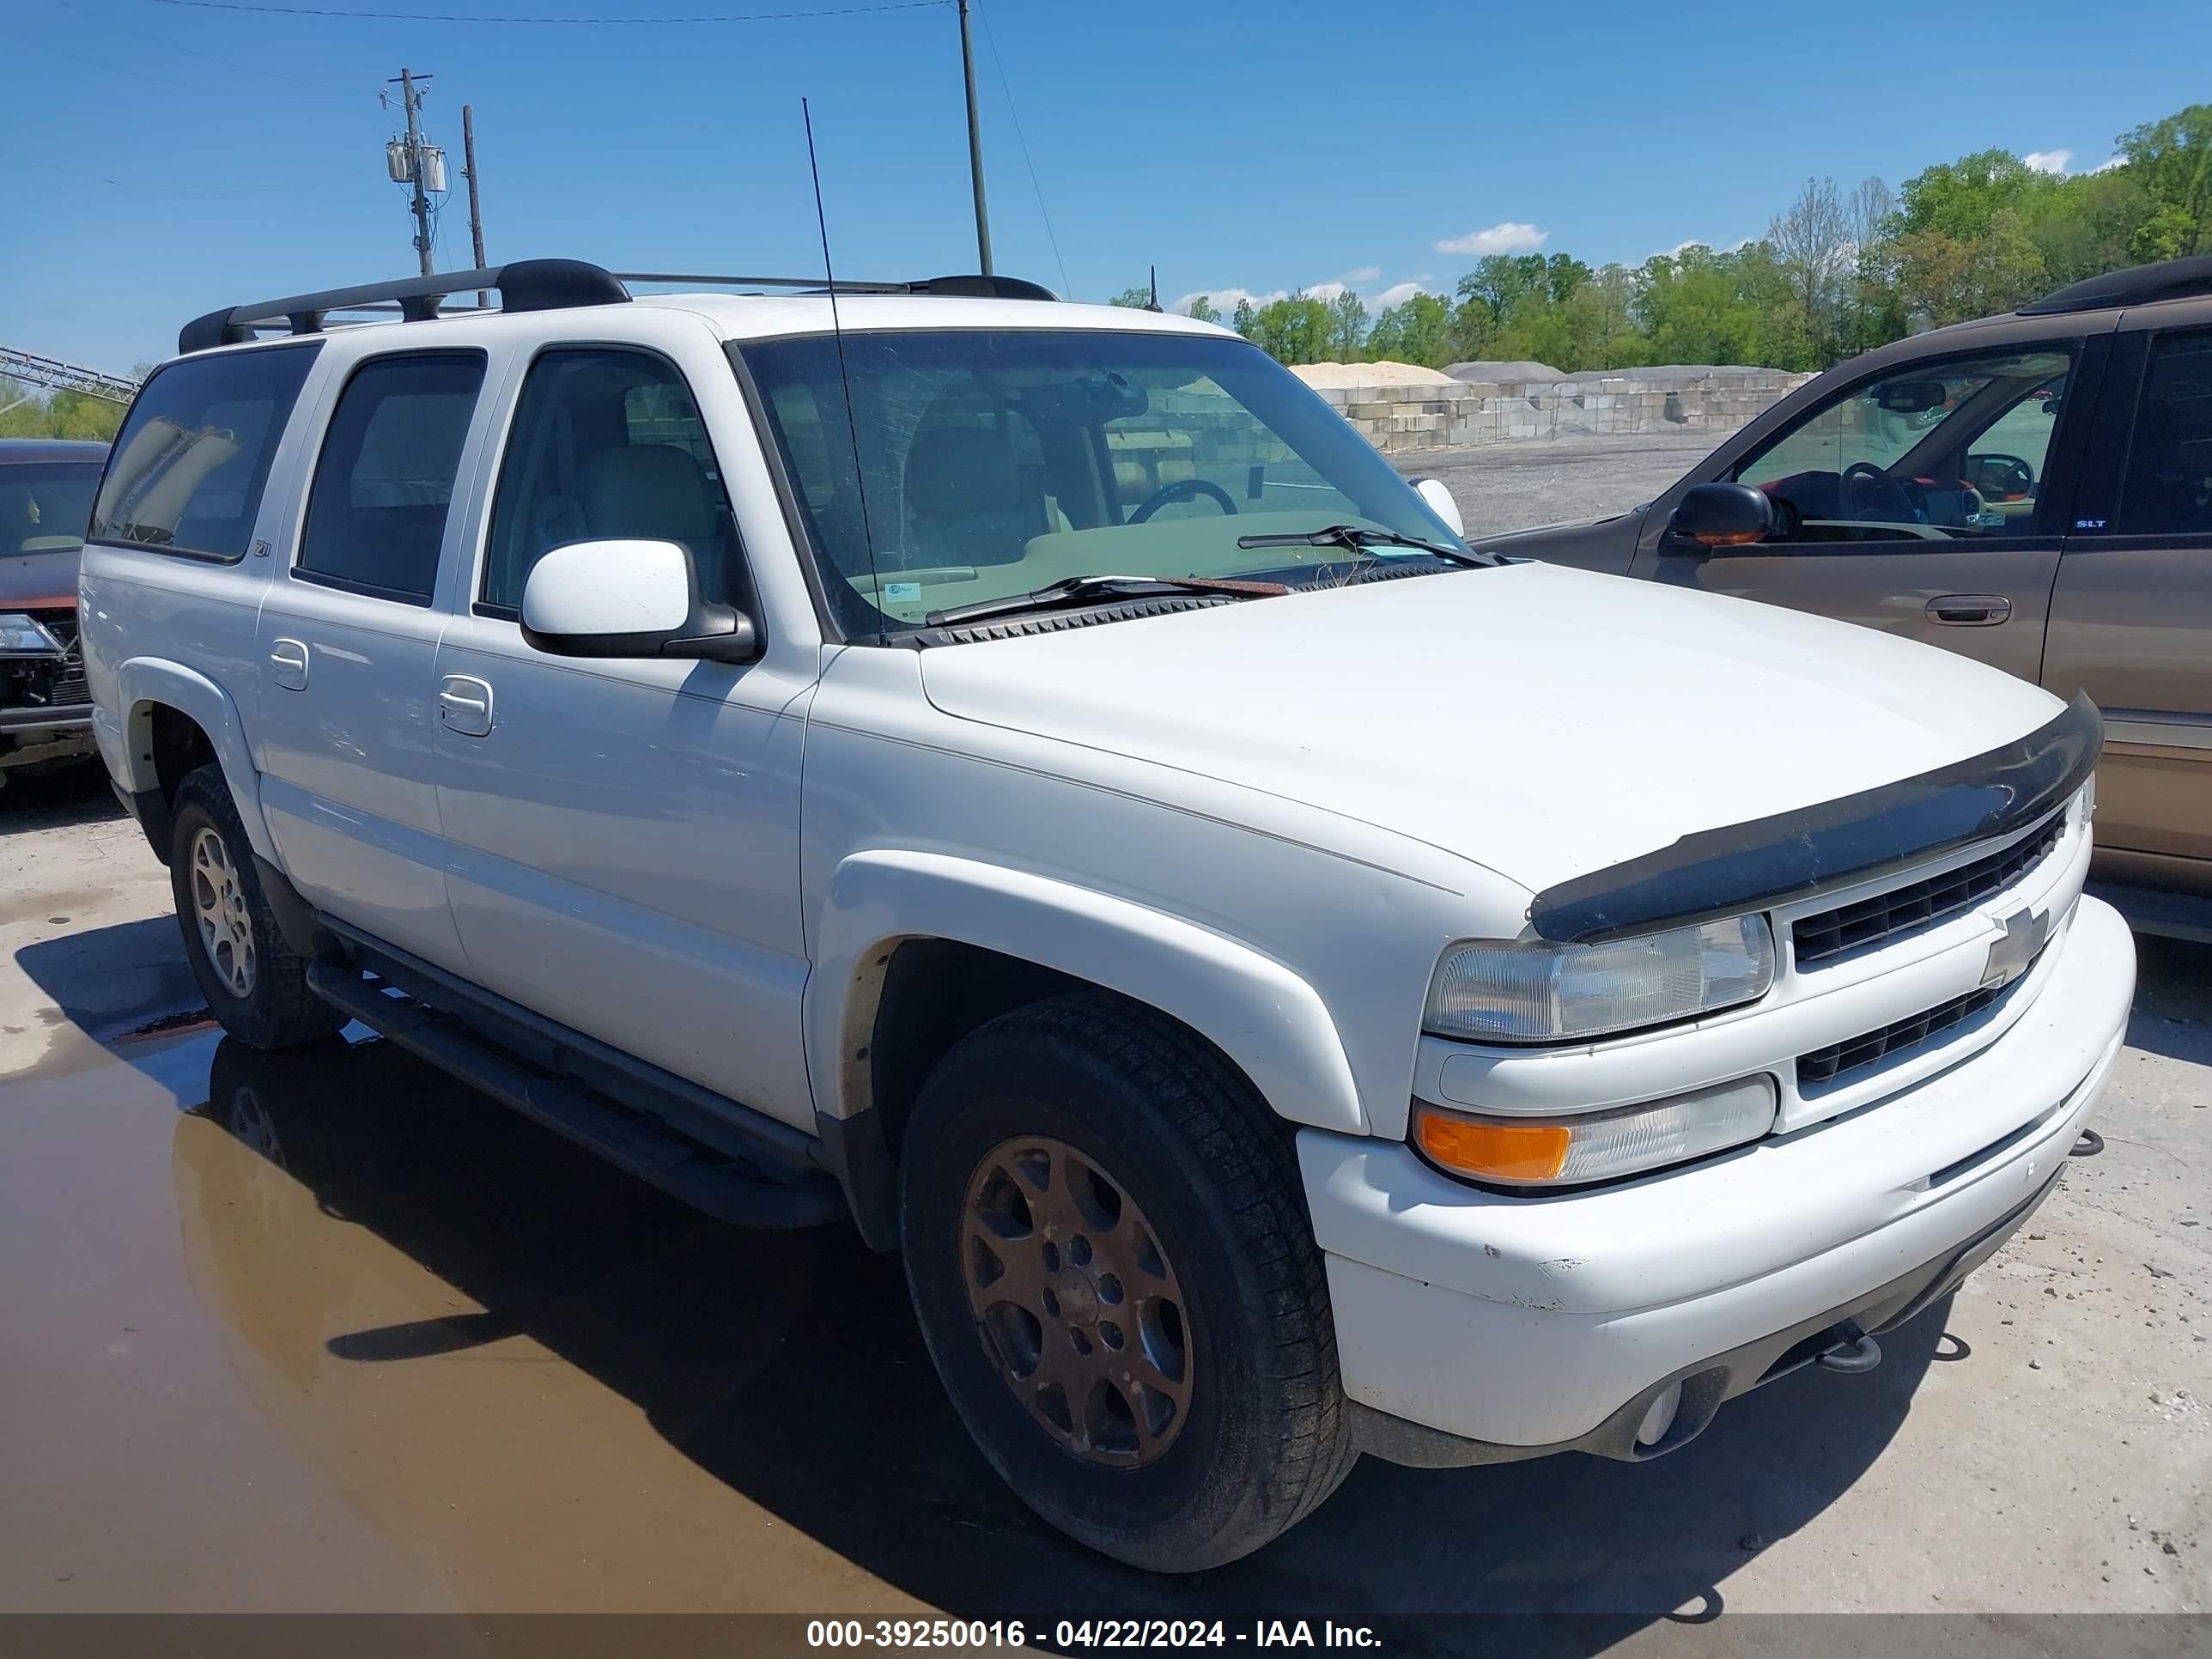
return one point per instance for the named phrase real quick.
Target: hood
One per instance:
(1542, 721)
(40, 581)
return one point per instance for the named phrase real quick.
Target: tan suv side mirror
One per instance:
(1711, 516)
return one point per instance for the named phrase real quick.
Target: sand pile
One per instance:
(1358, 374)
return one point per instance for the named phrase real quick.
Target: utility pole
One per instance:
(476, 209)
(414, 102)
(974, 141)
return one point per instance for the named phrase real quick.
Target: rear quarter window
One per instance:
(187, 470)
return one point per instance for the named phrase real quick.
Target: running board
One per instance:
(639, 1144)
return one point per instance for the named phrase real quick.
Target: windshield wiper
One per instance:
(1079, 590)
(1359, 540)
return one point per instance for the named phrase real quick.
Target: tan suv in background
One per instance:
(2033, 490)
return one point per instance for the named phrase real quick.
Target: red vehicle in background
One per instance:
(46, 487)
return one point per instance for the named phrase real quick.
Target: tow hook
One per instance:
(1855, 1351)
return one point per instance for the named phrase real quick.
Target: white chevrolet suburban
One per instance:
(1030, 777)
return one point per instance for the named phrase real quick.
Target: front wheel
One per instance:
(1110, 1256)
(255, 984)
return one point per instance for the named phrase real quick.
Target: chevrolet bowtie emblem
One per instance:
(2011, 954)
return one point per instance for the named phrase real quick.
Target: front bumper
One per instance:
(33, 734)
(1536, 1323)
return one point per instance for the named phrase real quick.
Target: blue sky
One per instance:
(163, 159)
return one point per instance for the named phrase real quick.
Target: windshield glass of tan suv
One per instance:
(995, 462)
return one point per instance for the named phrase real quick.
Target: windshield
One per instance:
(45, 505)
(997, 462)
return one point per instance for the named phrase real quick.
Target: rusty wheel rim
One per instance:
(1076, 1304)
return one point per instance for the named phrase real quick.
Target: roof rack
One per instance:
(2141, 285)
(534, 285)
(963, 286)
(523, 285)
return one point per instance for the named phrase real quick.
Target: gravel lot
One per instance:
(1515, 486)
(332, 1332)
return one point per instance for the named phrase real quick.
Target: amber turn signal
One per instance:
(1495, 1152)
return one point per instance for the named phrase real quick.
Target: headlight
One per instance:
(21, 636)
(2084, 810)
(1524, 1151)
(1500, 992)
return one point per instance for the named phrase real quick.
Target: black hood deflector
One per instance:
(1797, 855)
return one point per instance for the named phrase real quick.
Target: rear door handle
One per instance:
(465, 705)
(1969, 609)
(287, 664)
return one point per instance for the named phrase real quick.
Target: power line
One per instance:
(140, 35)
(473, 17)
(1006, 87)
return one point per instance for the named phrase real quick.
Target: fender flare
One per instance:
(1267, 1019)
(142, 682)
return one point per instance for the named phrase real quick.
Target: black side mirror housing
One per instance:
(1711, 516)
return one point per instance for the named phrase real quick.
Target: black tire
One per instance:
(275, 1009)
(1167, 1121)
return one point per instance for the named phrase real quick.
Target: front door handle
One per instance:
(465, 705)
(1969, 609)
(287, 664)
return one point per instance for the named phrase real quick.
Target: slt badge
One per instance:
(2012, 952)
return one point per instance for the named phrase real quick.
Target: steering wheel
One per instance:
(1182, 489)
(2001, 477)
(1868, 490)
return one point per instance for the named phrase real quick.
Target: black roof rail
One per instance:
(975, 287)
(2140, 285)
(523, 285)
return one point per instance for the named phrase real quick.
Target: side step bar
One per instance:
(640, 1144)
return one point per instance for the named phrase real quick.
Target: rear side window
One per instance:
(383, 484)
(188, 468)
(2168, 487)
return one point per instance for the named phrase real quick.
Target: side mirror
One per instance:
(1441, 503)
(1712, 515)
(629, 598)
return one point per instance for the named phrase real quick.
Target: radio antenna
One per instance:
(845, 379)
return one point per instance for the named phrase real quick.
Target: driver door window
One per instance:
(1937, 452)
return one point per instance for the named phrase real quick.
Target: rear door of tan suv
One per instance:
(1926, 497)
(2132, 613)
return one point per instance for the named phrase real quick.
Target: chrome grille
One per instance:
(68, 688)
(1917, 904)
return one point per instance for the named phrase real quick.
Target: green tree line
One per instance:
(1836, 273)
(55, 415)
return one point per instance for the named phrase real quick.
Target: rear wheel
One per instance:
(255, 984)
(1110, 1255)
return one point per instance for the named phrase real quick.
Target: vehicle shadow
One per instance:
(56, 798)
(2172, 1012)
(124, 979)
(788, 1365)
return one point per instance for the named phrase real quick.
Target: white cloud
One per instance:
(1397, 295)
(1365, 274)
(2048, 160)
(1225, 299)
(1324, 291)
(2107, 166)
(1509, 237)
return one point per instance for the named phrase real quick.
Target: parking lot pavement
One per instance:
(326, 1331)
